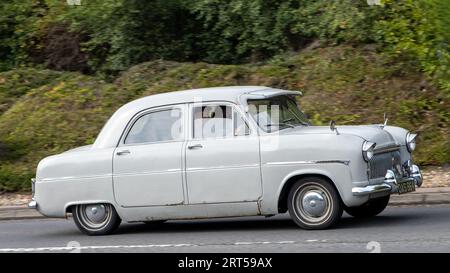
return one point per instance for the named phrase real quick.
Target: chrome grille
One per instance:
(380, 163)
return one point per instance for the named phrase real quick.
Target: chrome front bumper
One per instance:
(390, 182)
(32, 204)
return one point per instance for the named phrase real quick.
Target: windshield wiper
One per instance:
(292, 119)
(280, 124)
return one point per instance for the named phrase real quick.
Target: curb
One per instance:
(431, 196)
(19, 213)
(435, 198)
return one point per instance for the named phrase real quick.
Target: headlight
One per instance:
(367, 150)
(411, 142)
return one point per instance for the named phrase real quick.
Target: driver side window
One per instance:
(218, 121)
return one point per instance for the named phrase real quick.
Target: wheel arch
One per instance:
(290, 180)
(69, 206)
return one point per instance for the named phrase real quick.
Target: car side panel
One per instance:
(74, 177)
(286, 156)
(195, 211)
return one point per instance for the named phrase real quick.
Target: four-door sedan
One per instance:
(225, 152)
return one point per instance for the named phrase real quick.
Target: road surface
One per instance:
(397, 229)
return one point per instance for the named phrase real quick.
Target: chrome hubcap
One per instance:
(95, 216)
(313, 203)
(96, 213)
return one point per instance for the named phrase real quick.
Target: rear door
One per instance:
(148, 164)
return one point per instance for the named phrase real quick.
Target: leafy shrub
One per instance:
(61, 50)
(353, 85)
(340, 52)
(111, 35)
(13, 178)
(419, 30)
(15, 83)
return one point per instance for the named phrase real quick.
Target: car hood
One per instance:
(373, 133)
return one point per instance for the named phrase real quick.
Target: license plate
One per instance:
(407, 186)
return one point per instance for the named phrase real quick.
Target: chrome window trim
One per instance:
(181, 107)
(345, 162)
(234, 107)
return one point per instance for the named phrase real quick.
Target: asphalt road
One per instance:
(397, 229)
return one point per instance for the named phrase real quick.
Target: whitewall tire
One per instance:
(314, 203)
(96, 219)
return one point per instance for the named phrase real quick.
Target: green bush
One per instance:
(418, 30)
(14, 179)
(354, 62)
(352, 85)
(15, 83)
(108, 36)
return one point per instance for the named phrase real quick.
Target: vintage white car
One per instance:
(225, 152)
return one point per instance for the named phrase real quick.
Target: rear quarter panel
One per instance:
(74, 178)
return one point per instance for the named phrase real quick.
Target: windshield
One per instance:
(277, 113)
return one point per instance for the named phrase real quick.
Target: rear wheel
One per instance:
(314, 203)
(96, 219)
(369, 209)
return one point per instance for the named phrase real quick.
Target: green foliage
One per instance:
(335, 21)
(237, 29)
(419, 30)
(353, 85)
(17, 24)
(127, 32)
(116, 34)
(14, 178)
(15, 83)
(354, 62)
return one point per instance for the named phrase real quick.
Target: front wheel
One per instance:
(314, 203)
(96, 219)
(369, 209)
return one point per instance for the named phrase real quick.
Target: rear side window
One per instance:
(164, 125)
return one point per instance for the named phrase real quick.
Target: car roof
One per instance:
(110, 134)
(226, 93)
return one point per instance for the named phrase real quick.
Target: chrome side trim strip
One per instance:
(222, 167)
(75, 177)
(345, 162)
(148, 172)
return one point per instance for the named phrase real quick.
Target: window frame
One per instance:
(135, 118)
(234, 108)
(261, 130)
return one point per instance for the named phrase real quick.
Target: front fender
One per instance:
(308, 172)
(339, 174)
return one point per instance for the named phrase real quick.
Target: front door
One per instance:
(147, 165)
(222, 156)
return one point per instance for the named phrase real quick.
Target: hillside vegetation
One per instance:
(64, 69)
(44, 112)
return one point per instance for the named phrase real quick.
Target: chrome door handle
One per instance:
(196, 146)
(124, 152)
